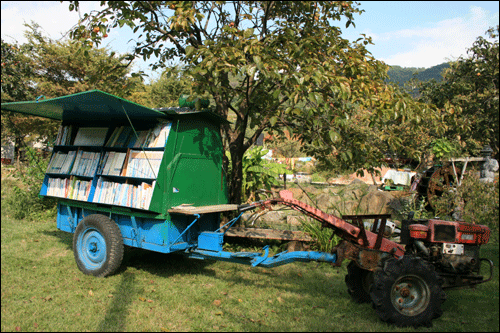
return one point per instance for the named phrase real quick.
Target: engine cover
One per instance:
(439, 231)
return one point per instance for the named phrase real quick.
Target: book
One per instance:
(90, 136)
(117, 165)
(64, 135)
(143, 164)
(61, 162)
(51, 163)
(109, 161)
(85, 163)
(114, 163)
(141, 139)
(122, 194)
(113, 136)
(124, 137)
(59, 136)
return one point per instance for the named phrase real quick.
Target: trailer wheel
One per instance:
(358, 283)
(98, 245)
(407, 292)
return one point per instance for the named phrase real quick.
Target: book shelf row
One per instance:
(122, 194)
(107, 192)
(122, 137)
(70, 188)
(133, 163)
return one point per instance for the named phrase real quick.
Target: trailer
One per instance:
(128, 175)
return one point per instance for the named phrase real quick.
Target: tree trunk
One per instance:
(235, 178)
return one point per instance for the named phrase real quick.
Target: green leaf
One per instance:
(273, 121)
(334, 136)
(248, 33)
(258, 61)
(189, 51)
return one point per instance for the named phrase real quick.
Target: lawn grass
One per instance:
(43, 290)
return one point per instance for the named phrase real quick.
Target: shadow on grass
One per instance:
(162, 264)
(171, 264)
(117, 311)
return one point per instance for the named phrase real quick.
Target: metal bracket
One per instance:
(189, 226)
(259, 260)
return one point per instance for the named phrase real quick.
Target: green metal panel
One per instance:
(191, 171)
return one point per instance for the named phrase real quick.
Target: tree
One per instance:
(17, 85)
(16, 71)
(276, 66)
(61, 68)
(44, 68)
(172, 83)
(468, 96)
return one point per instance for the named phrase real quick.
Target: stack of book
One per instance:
(112, 163)
(79, 189)
(159, 135)
(125, 137)
(64, 135)
(142, 164)
(90, 136)
(120, 137)
(61, 162)
(121, 194)
(56, 187)
(71, 188)
(85, 163)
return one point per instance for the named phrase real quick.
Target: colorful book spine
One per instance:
(122, 194)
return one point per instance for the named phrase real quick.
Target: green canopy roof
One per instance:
(90, 106)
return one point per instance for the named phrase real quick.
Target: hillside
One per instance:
(401, 75)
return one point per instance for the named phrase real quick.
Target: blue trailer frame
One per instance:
(197, 236)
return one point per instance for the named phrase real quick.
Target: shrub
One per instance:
(473, 201)
(324, 238)
(258, 173)
(21, 199)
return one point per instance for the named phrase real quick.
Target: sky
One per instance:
(404, 33)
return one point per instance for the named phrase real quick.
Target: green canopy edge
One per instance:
(90, 106)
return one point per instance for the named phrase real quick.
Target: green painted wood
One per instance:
(191, 170)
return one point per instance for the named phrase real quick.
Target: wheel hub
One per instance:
(405, 292)
(410, 295)
(92, 248)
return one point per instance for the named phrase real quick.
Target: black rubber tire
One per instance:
(98, 245)
(358, 283)
(407, 292)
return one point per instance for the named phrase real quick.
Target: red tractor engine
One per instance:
(452, 248)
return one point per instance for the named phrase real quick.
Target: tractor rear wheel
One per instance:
(358, 283)
(407, 292)
(98, 245)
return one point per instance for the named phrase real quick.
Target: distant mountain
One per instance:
(401, 75)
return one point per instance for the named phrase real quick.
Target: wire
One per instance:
(137, 137)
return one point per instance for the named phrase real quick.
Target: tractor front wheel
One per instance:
(407, 292)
